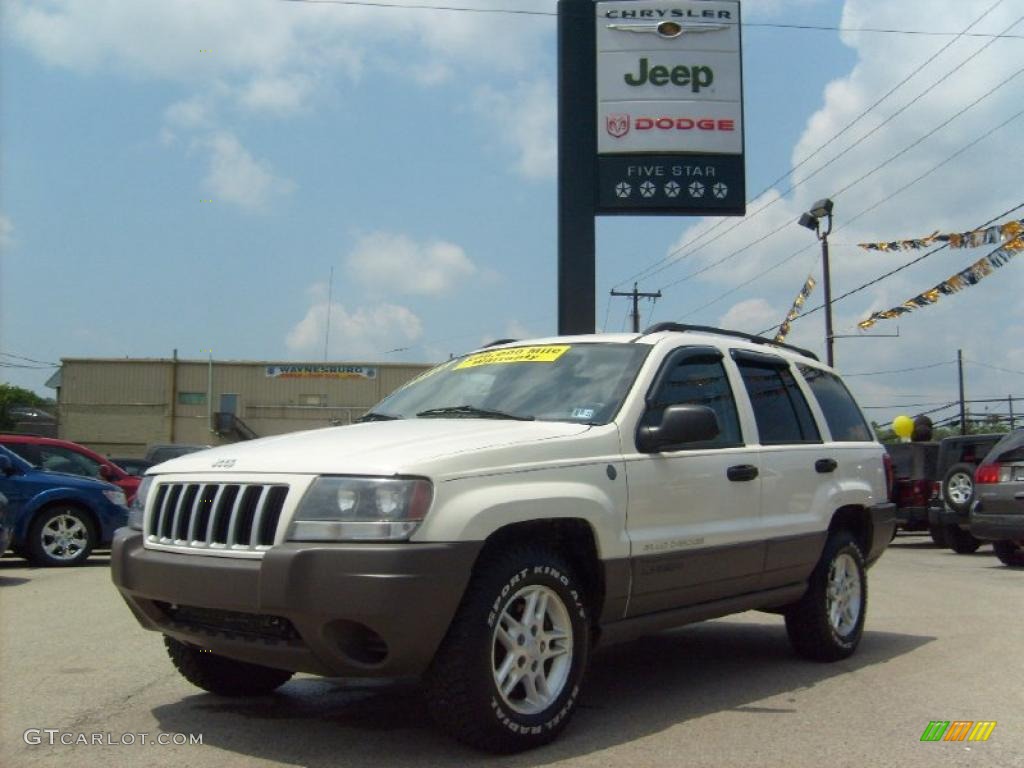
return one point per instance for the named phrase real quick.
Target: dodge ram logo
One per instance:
(617, 124)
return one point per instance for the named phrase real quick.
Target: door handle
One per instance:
(824, 466)
(741, 472)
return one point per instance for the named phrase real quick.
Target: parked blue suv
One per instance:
(58, 519)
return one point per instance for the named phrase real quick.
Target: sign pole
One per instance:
(577, 167)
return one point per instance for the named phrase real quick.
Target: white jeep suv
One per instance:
(489, 522)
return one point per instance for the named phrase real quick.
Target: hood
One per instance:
(78, 482)
(408, 446)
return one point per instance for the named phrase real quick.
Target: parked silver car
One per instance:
(998, 513)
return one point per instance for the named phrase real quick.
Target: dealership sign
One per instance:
(321, 372)
(669, 107)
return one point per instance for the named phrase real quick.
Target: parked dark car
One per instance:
(953, 491)
(6, 524)
(133, 467)
(58, 519)
(997, 514)
(65, 456)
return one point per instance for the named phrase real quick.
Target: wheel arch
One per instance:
(857, 520)
(572, 537)
(29, 519)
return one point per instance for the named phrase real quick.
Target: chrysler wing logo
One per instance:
(668, 29)
(617, 124)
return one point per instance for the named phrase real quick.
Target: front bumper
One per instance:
(883, 524)
(990, 526)
(344, 610)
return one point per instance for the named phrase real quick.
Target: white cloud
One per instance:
(750, 316)
(394, 263)
(525, 118)
(278, 95)
(360, 333)
(236, 177)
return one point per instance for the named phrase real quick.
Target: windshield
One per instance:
(582, 383)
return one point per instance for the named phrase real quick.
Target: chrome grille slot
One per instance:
(235, 516)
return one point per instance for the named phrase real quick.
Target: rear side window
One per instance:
(842, 415)
(780, 408)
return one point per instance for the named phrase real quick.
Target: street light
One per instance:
(812, 220)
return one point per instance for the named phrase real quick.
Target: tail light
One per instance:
(937, 489)
(889, 475)
(986, 474)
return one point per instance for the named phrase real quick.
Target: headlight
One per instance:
(138, 507)
(116, 497)
(361, 509)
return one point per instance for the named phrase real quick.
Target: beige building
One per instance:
(121, 406)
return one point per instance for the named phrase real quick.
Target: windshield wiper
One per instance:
(374, 416)
(470, 411)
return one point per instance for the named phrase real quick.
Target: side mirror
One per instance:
(679, 424)
(106, 472)
(6, 468)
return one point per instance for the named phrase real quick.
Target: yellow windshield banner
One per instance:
(515, 355)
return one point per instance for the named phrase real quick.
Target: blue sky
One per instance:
(186, 174)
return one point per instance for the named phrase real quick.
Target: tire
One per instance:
(221, 675)
(958, 487)
(823, 627)
(961, 541)
(1009, 553)
(938, 534)
(60, 536)
(475, 688)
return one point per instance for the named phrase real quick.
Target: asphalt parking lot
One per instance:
(943, 642)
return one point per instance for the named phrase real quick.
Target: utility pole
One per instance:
(1013, 424)
(637, 295)
(963, 405)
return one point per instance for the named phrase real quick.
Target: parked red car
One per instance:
(64, 456)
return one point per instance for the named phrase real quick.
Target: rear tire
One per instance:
(1009, 553)
(221, 675)
(961, 541)
(826, 624)
(508, 674)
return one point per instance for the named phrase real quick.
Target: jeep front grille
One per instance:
(233, 516)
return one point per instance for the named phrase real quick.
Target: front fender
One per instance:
(47, 498)
(473, 509)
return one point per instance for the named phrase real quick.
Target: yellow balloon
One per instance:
(903, 426)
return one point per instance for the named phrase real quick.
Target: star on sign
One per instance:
(720, 190)
(623, 189)
(647, 189)
(672, 189)
(696, 189)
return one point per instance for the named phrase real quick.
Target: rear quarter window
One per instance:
(844, 419)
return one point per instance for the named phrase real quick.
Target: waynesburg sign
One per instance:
(669, 107)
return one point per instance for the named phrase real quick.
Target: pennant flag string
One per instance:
(979, 270)
(1000, 233)
(801, 298)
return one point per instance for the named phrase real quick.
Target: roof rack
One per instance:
(681, 327)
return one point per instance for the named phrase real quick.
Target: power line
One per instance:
(668, 260)
(993, 367)
(899, 370)
(551, 14)
(27, 359)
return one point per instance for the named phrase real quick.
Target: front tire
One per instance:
(60, 536)
(1009, 553)
(508, 674)
(826, 624)
(221, 675)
